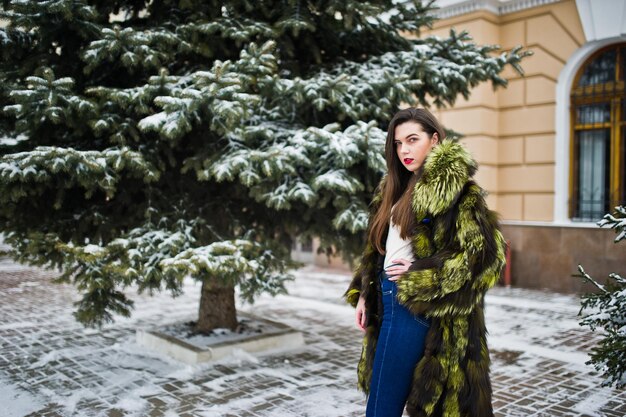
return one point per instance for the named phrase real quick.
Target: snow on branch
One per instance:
(220, 95)
(616, 221)
(133, 49)
(245, 262)
(89, 169)
(240, 29)
(435, 67)
(353, 218)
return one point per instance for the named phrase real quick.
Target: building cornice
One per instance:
(494, 6)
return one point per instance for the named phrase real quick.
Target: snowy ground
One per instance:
(51, 366)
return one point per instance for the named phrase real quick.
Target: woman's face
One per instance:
(413, 144)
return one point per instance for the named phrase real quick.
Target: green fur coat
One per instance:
(459, 254)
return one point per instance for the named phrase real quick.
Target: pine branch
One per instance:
(241, 261)
(134, 50)
(439, 68)
(608, 312)
(91, 170)
(616, 221)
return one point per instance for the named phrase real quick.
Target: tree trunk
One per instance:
(217, 307)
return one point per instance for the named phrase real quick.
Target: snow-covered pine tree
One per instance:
(166, 138)
(607, 310)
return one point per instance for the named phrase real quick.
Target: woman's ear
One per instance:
(435, 138)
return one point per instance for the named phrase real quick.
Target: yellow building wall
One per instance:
(511, 132)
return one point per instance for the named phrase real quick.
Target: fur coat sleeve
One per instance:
(459, 254)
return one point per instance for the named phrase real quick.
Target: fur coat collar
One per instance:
(459, 255)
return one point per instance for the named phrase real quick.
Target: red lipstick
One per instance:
(407, 161)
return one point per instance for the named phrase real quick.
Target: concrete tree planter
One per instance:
(269, 336)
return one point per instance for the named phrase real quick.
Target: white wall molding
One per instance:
(602, 19)
(562, 127)
(516, 6)
(453, 8)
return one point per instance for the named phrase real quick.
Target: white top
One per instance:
(396, 247)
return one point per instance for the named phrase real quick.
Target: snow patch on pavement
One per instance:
(17, 402)
(594, 402)
(18, 325)
(516, 344)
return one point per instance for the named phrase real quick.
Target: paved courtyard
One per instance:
(51, 366)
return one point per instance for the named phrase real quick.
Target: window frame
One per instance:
(611, 92)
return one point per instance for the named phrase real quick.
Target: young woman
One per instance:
(433, 249)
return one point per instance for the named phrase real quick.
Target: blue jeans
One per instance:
(400, 347)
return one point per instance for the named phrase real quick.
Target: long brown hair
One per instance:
(400, 181)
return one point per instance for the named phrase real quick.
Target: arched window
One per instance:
(598, 140)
